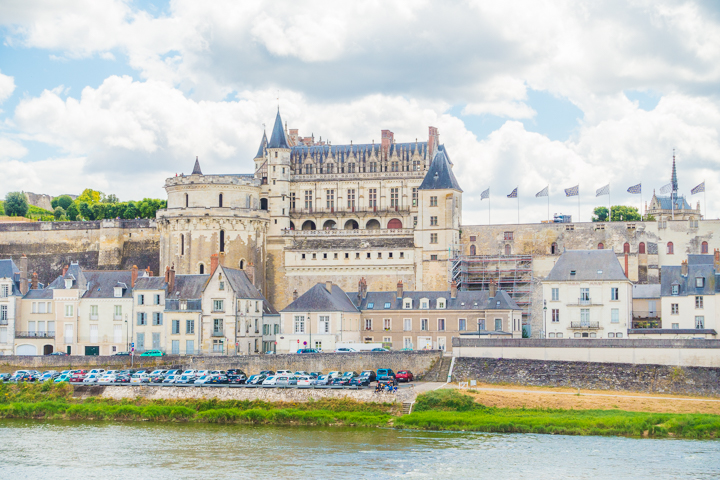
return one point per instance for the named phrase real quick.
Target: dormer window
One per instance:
(440, 303)
(370, 305)
(183, 304)
(407, 303)
(676, 289)
(572, 272)
(424, 303)
(387, 304)
(68, 283)
(118, 292)
(699, 282)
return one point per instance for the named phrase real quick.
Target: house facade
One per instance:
(10, 295)
(587, 295)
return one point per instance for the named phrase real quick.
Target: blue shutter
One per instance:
(160, 318)
(139, 318)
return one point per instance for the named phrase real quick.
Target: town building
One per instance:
(647, 307)
(673, 206)
(10, 294)
(587, 295)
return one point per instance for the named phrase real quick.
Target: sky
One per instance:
(118, 95)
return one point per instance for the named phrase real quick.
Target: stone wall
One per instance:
(96, 245)
(600, 376)
(417, 362)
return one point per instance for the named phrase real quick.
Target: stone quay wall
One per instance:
(418, 362)
(665, 379)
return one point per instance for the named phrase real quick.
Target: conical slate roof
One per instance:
(277, 139)
(673, 179)
(263, 145)
(196, 168)
(440, 176)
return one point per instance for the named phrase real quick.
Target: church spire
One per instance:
(674, 180)
(277, 138)
(196, 168)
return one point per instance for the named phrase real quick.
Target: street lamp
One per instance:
(544, 318)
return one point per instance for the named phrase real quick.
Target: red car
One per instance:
(78, 376)
(404, 376)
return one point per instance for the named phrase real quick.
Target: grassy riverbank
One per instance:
(437, 410)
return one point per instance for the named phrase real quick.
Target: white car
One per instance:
(170, 378)
(332, 375)
(190, 372)
(345, 350)
(304, 381)
(111, 372)
(301, 373)
(91, 378)
(140, 378)
(203, 379)
(107, 379)
(97, 371)
(284, 372)
(271, 380)
(200, 373)
(155, 373)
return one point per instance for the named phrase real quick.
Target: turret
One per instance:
(278, 178)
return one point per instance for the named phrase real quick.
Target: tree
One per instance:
(85, 210)
(63, 201)
(72, 212)
(16, 204)
(601, 214)
(90, 196)
(620, 213)
(131, 211)
(112, 198)
(98, 211)
(58, 212)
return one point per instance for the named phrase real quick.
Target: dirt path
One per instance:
(567, 398)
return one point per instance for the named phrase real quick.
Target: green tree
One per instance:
(58, 212)
(131, 211)
(72, 211)
(16, 204)
(622, 213)
(601, 214)
(112, 198)
(90, 196)
(85, 210)
(98, 211)
(63, 201)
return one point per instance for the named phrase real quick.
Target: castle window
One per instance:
(433, 258)
(641, 247)
(220, 200)
(292, 201)
(433, 221)
(347, 256)
(308, 199)
(704, 247)
(670, 248)
(275, 154)
(402, 254)
(508, 250)
(242, 264)
(473, 250)
(222, 240)
(433, 201)
(187, 200)
(372, 197)
(351, 199)
(415, 196)
(394, 198)
(330, 199)
(508, 236)
(263, 204)
(182, 244)
(201, 269)
(553, 248)
(394, 166)
(601, 246)
(626, 248)
(433, 238)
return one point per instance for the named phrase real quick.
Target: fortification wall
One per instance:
(100, 244)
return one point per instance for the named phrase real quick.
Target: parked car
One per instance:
(257, 379)
(349, 375)
(173, 372)
(385, 375)
(341, 381)
(62, 354)
(404, 376)
(190, 372)
(152, 353)
(370, 374)
(267, 372)
(107, 379)
(122, 379)
(155, 373)
(345, 350)
(286, 380)
(380, 349)
(303, 381)
(315, 374)
(77, 378)
(321, 380)
(237, 379)
(185, 379)
(65, 377)
(308, 350)
(122, 354)
(271, 380)
(4, 377)
(47, 376)
(235, 371)
(284, 372)
(91, 378)
(301, 372)
(335, 374)
(218, 380)
(140, 378)
(170, 378)
(359, 381)
(203, 379)
(96, 371)
(18, 374)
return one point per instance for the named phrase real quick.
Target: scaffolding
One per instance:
(512, 273)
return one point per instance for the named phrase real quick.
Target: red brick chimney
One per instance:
(717, 260)
(493, 288)
(295, 295)
(684, 268)
(433, 141)
(133, 276)
(387, 138)
(23, 274)
(214, 262)
(167, 274)
(64, 271)
(250, 272)
(400, 289)
(453, 289)
(171, 279)
(34, 281)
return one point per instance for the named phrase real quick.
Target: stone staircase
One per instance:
(407, 407)
(439, 371)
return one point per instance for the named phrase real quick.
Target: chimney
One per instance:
(453, 289)
(133, 276)
(171, 279)
(493, 288)
(683, 267)
(328, 286)
(400, 289)
(717, 260)
(64, 271)
(34, 281)
(167, 274)
(23, 274)
(433, 142)
(626, 265)
(250, 272)
(387, 138)
(295, 295)
(362, 288)
(214, 262)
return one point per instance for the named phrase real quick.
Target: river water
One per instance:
(89, 450)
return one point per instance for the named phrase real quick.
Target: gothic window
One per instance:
(187, 200)
(553, 248)
(220, 199)
(704, 247)
(351, 168)
(626, 248)
(182, 244)
(330, 168)
(222, 240)
(373, 166)
(641, 247)
(670, 248)
(394, 166)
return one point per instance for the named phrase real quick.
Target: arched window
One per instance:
(670, 248)
(187, 200)
(263, 204)
(222, 240)
(507, 250)
(182, 244)
(201, 269)
(242, 264)
(626, 248)
(553, 249)
(704, 247)
(601, 246)
(473, 250)
(308, 225)
(394, 224)
(641, 248)
(372, 224)
(220, 200)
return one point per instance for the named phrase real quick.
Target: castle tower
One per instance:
(277, 191)
(438, 228)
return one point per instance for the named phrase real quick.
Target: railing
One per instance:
(34, 334)
(304, 177)
(646, 320)
(585, 325)
(584, 301)
(349, 233)
(117, 317)
(93, 317)
(3, 321)
(343, 209)
(218, 333)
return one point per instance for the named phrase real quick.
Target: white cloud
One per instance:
(7, 87)
(10, 149)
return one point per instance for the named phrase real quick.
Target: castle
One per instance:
(314, 212)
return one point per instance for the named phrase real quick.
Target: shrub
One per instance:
(445, 399)
(16, 204)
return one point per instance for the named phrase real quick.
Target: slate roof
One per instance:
(701, 259)
(8, 269)
(39, 294)
(440, 176)
(646, 291)
(102, 283)
(263, 145)
(361, 151)
(188, 287)
(196, 168)
(586, 264)
(151, 283)
(465, 300)
(671, 275)
(241, 284)
(277, 138)
(680, 203)
(318, 299)
(352, 244)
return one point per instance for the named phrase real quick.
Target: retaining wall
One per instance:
(601, 376)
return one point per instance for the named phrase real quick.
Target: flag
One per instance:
(666, 188)
(572, 191)
(635, 188)
(513, 194)
(603, 190)
(485, 194)
(543, 192)
(698, 189)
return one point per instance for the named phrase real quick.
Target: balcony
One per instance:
(34, 334)
(218, 333)
(304, 212)
(584, 302)
(646, 320)
(349, 233)
(585, 325)
(93, 316)
(3, 321)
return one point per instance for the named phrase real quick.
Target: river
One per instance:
(95, 450)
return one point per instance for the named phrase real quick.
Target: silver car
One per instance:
(286, 381)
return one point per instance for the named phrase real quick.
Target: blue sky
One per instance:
(119, 95)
